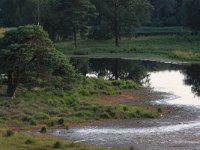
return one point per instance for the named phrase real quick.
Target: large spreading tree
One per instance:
(29, 49)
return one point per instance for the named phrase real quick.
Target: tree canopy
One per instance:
(98, 19)
(75, 15)
(191, 10)
(123, 15)
(29, 49)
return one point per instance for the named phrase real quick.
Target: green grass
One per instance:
(176, 47)
(20, 141)
(177, 30)
(53, 107)
(62, 109)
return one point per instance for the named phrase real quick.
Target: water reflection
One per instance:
(114, 69)
(192, 78)
(176, 78)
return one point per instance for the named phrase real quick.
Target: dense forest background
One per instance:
(57, 16)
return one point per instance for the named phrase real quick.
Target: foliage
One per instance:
(9, 133)
(43, 130)
(166, 13)
(75, 15)
(20, 14)
(122, 15)
(191, 10)
(29, 49)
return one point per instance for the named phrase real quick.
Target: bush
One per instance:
(61, 121)
(33, 122)
(105, 115)
(41, 116)
(131, 148)
(9, 133)
(43, 130)
(57, 145)
(67, 127)
(160, 110)
(29, 141)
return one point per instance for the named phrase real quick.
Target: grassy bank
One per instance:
(10, 140)
(186, 48)
(60, 108)
(39, 108)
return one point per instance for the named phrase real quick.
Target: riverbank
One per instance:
(169, 47)
(135, 56)
(36, 110)
(176, 129)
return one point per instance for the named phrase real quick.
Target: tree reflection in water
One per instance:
(192, 78)
(116, 69)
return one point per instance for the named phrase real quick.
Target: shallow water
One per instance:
(180, 131)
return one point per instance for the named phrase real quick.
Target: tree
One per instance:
(75, 15)
(17, 12)
(166, 13)
(191, 10)
(124, 14)
(29, 49)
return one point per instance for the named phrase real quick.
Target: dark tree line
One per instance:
(99, 19)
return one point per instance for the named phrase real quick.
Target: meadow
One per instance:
(176, 47)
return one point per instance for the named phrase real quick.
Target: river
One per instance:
(178, 131)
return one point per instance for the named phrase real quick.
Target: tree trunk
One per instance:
(116, 26)
(75, 38)
(116, 36)
(12, 84)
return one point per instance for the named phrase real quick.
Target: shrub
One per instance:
(41, 116)
(105, 115)
(131, 148)
(33, 122)
(9, 133)
(51, 124)
(57, 145)
(61, 121)
(43, 130)
(29, 141)
(125, 108)
(67, 127)
(160, 110)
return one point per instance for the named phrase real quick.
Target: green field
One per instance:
(185, 48)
